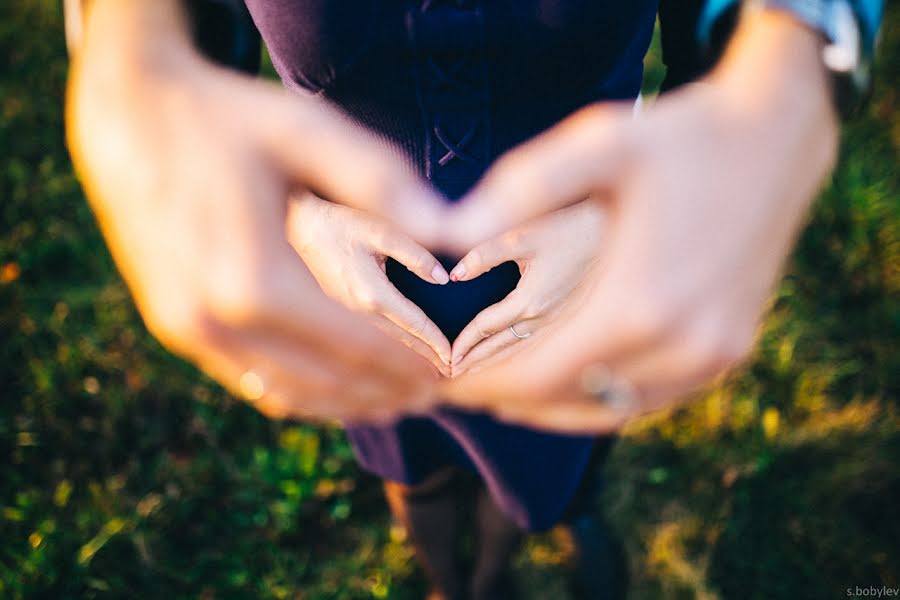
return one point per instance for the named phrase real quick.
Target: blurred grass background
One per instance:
(127, 474)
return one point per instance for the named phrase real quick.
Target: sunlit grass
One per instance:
(126, 474)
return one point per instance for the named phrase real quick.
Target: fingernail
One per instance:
(458, 272)
(439, 275)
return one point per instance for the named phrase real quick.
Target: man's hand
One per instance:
(189, 169)
(705, 194)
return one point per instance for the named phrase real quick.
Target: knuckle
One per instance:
(366, 299)
(482, 328)
(422, 262)
(533, 309)
(515, 239)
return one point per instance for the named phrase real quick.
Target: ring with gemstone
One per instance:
(598, 382)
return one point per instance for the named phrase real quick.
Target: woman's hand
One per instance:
(706, 193)
(189, 169)
(554, 254)
(346, 251)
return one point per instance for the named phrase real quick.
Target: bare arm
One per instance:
(188, 168)
(74, 12)
(706, 193)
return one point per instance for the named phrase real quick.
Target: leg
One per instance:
(498, 539)
(429, 512)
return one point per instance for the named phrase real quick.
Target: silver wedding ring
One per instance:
(521, 336)
(600, 384)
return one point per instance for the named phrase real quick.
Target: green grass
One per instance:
(127, 474)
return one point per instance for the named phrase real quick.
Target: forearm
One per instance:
(774, 62)
(134, 60)
(74, 20)
(136, 38)
(773, 82)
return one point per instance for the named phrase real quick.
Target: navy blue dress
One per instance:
(453, 84)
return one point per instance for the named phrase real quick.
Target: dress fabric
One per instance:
(450, 85)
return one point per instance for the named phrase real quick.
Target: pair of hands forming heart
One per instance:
(702, 198)
(346, 250)
(193, 173)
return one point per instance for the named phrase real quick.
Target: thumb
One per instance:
(581, 156)
(488, 255)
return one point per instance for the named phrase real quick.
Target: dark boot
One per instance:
(498, 539)
(598, 570)
(429, 512)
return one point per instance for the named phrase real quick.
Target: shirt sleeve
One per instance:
(869, 13)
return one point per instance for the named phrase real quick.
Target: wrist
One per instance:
(774, 62)
(134, 62)
(134, 42)
(772, 79)
(133, 55)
